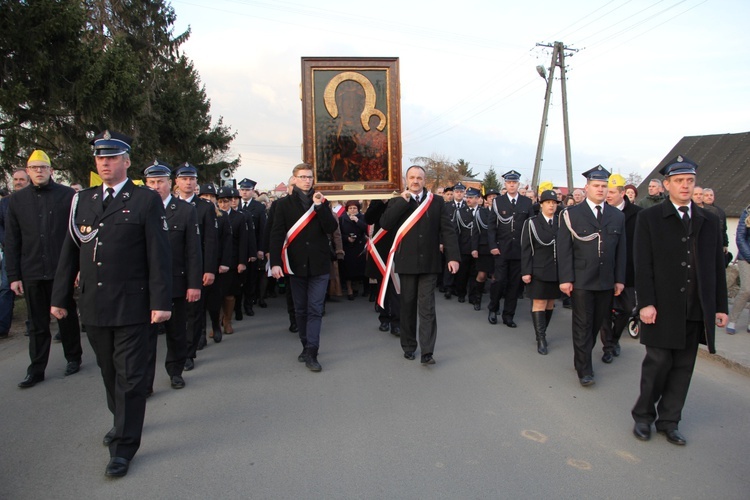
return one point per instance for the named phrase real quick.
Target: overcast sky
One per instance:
(647, 73)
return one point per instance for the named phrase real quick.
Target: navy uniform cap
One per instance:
(448, 189)
(459, 187)
(491, 191)
(512, 176)
(186, 170)
(247, 183)
(158, 169)
(679, 165)
(111, 144)
(548, 195)
(207, 189)
(472, 192)
(598, 173)
(225, 192)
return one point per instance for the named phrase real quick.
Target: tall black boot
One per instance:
(312, 360)
(548, 315)
(478, 292)
(538, 318)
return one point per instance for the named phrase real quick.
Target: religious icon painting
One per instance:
(352, 133)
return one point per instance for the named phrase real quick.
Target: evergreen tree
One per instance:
(72, 69)
(490, 179)
(463, 169)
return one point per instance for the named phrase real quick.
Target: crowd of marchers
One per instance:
(125, 263)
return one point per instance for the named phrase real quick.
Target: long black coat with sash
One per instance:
(661, 249)
(419, 251)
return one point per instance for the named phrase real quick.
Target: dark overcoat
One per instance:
(126, 269)
(480, 234)
(661, 258)
(505, 224)
(310, 252)
(464, 221)
(538, 256)
(631, 214)
(589, 264)
(185, 241)
(419, 251)
(206, 214)
(383, 246)
(257, 211)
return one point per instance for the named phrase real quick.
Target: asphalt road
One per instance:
(492, 419)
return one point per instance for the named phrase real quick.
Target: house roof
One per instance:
(723, 165)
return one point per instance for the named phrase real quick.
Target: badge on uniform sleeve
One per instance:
(164, 222)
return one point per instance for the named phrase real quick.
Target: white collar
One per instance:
(689, 207)
(167, 200)
(593, 206)
(116, 187)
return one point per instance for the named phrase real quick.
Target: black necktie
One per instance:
(513, 202)
(599, 214)
(685, 217)
(550, 222)
(108, 199)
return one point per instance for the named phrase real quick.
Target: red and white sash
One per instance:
(400, 233)
(293, 233)
(376, 258)
(338, 211)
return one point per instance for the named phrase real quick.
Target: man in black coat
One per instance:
(186, 178)
(36, 225)
(507, 215)
(463, 218)
(118, 239)
(187, 272)
(682, 295)
(299, 249)
(7, 297)
(591, 256)
(623, 304)
(253, 290)
(416, 259)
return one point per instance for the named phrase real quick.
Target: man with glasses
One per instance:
(35, 230)
(299, 248)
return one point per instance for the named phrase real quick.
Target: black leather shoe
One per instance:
(642, 431)
(616, 352)
(608, 357)
(477, 306)
(409, 355)
(302, 356)
(72, 367)
(30, 381)
(427, 359)
(249, 311)
(177, 382)
(108, 437)
(217, 335)
(238, 315)
(462, 299)
(117, 467)
(587, 380)
(384, 326)
(509, 323)
(190, 363)
(492, 318)
(293, 327)
(262, 304)
(448, 295)
(396, 331)
(674, 437)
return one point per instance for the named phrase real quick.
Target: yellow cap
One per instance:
(616, 180)
(39, 156)
(545, 186)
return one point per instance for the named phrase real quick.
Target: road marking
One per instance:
(534, 436)
(579, 464)
(628, 457)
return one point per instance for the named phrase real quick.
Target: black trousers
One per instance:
(622, 309)
(123, 353)
(176, 335)
(506, 283)
(590, 308)
(195, 314)
(249, 290)
(462, 276)
(665, 380)
(38, 295)
(391, 313)
(418, 299)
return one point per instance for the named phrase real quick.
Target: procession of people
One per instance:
(186, 261)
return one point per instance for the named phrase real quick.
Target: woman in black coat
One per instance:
(539, 265)
(354, 238)
(238, 254)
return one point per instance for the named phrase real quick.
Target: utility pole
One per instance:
(558, 59)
